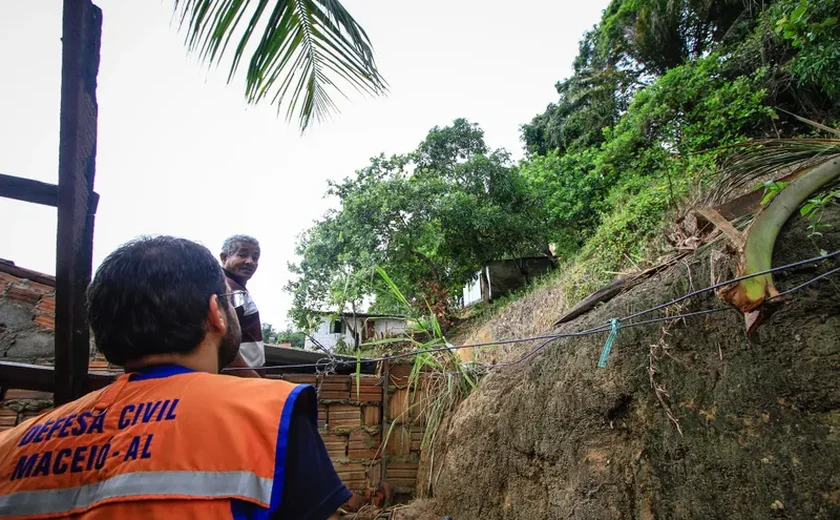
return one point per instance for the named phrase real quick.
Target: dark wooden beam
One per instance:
(23, 376)
(28, 190)
(36, 192)
(81, 31)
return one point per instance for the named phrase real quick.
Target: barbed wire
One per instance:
(549, 338)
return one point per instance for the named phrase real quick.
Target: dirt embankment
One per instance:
(557, 437)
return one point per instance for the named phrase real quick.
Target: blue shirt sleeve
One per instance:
(311, 488)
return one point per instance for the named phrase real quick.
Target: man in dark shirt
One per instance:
(240, 258)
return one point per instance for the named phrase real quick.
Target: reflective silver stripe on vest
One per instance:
(198, 484)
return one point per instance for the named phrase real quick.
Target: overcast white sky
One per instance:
(180, 153)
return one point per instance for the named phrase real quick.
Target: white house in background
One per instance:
(369, 327)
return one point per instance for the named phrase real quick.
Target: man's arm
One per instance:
(240, 362)
(311, 488)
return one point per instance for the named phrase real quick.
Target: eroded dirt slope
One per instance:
(559, 438)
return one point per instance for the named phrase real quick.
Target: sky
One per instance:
(181, 153)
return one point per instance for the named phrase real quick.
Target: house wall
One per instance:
(383, 327)
(387, 327)
(325, 337)
(472, 291)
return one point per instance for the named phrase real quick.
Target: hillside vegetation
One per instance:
(659, 89)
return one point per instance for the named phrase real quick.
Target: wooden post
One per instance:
(81, 31)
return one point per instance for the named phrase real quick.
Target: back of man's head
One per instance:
(151, 296)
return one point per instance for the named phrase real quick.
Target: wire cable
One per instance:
(603, 328)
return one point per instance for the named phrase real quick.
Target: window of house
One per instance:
(338, 327)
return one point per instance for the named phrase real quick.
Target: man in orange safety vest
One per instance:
(171, 438)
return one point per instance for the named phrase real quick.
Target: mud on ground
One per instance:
(558, 438)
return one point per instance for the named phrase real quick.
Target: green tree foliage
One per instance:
(659, 87)
(276, 337)
(430, 218)
(812, 28)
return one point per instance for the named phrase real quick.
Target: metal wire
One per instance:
(334, 363)
(734, 280)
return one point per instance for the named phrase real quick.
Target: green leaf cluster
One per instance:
(431, 218)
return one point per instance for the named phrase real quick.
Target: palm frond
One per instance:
(308, 51)
(755, 160)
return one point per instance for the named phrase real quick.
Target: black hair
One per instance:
(151, 296)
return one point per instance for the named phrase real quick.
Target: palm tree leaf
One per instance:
(754, 160)
(307, 50)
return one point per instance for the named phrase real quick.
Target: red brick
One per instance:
(367, 390)
(374, 474)
(399, 442)
(363, 445)
(334, 388)
(402, 475)
(400, 374)
(398, 406)
(41, 288)
(336, 445)
(6, 278)
(22, 294)
(352, 474)
(366, 381)
(45, 320)
(99, 365)
(344, 417)
(335, 379)
(416, 439)
(8, 418)
(300, 379)
(372, 415)
(13, 393)
(46, 304)
(322, 416)
(419, 407)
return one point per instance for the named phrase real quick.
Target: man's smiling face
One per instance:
(244, 261)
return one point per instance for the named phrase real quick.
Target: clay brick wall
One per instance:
(27, 316)
(27, 324)
(354, 421)
(349, 422)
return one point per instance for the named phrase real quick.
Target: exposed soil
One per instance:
(556, 437)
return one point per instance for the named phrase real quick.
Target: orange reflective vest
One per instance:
(188, 445)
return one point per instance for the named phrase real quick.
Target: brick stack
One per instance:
(27, 316)
(406, 421)
(349, 419)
